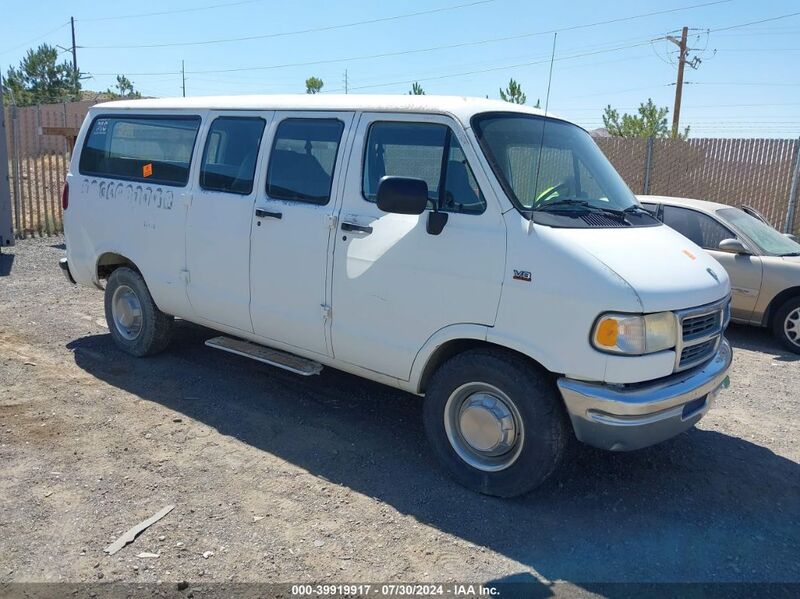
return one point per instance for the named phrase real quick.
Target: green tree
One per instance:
(416, 90)
(651, 121)
(40, 78)
(124, 89)
(513, 93)
(314, 85)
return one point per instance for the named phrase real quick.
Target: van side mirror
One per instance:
(733, 246)
(402, 195)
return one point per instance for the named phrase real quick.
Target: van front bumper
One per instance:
(627, 417)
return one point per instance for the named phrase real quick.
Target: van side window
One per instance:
(426, 151)
(700, 228)
(140, 148)
(302, 160)
(229, 158)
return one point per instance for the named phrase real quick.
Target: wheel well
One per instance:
(457, 346)
(109, 262)
(778, 301)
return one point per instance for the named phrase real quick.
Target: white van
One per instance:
(476, 252)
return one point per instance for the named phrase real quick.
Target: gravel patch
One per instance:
(280, 478)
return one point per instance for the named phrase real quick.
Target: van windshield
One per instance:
(554, 173)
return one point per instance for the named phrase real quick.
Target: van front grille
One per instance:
(699, 326)
(694, 354)
(701, 333)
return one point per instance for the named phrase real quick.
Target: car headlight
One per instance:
(635, 334)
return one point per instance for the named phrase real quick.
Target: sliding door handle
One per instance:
(261, 213)
(357, 228)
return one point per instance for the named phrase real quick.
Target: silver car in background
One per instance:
(763, 264)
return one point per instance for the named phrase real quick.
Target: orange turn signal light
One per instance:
(607, 333)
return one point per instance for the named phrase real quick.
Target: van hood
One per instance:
(665, 270)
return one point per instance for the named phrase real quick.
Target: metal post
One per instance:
(6, 227)
(19, 221)
(787, 227)
(648, 161)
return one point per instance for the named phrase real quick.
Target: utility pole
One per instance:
(74, 48)
(682, 51)
(345, 81)
(183, 78)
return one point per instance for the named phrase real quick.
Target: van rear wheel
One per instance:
(136, 324)
(495, 422)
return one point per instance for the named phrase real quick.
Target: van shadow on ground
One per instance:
(759, 339)
(702, 507)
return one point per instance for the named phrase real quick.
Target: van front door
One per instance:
(291, 230)
(395, 284)
(218, 225)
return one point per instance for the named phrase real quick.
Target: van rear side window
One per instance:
(229, 160)
(140, 148)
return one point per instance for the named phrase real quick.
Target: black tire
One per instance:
(789, 338)
(154, 332)
(544, 421)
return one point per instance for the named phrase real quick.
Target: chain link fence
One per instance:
(762, 173)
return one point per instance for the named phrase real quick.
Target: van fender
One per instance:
(453, 332)
(102, 250)
(482, 334)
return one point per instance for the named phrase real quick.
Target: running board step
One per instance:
(270, 356)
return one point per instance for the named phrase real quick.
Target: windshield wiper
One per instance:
(791, 254)
(636, 208)
(562, 204)
(570, 204)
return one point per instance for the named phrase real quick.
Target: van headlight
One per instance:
(635, 334)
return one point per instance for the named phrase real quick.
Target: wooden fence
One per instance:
(763, 173)
(39, 151)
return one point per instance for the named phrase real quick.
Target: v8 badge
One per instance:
(522, 275)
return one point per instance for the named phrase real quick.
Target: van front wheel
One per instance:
(495, 422)
(134, 321)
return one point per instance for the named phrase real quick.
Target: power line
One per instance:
(35, 39)
(778, 18)
(302, 31)
(500, 39)
(170, 12)
(498, 68)
(741, 83)
(424, 50)
(353, 58)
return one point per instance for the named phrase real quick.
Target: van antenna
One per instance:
(544, 124)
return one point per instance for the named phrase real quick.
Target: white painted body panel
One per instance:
(289, 259)
(218, 243)
(398, 294)
(396, 287)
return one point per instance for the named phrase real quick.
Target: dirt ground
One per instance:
(329, 478)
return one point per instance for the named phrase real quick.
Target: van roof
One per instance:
(460, 107)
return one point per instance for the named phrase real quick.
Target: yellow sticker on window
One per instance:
(690, 255)
(147, 170)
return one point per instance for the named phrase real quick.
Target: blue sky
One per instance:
(748, 84)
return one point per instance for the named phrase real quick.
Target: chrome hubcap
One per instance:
(126, 310)
(483, 426)
(791, 326)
